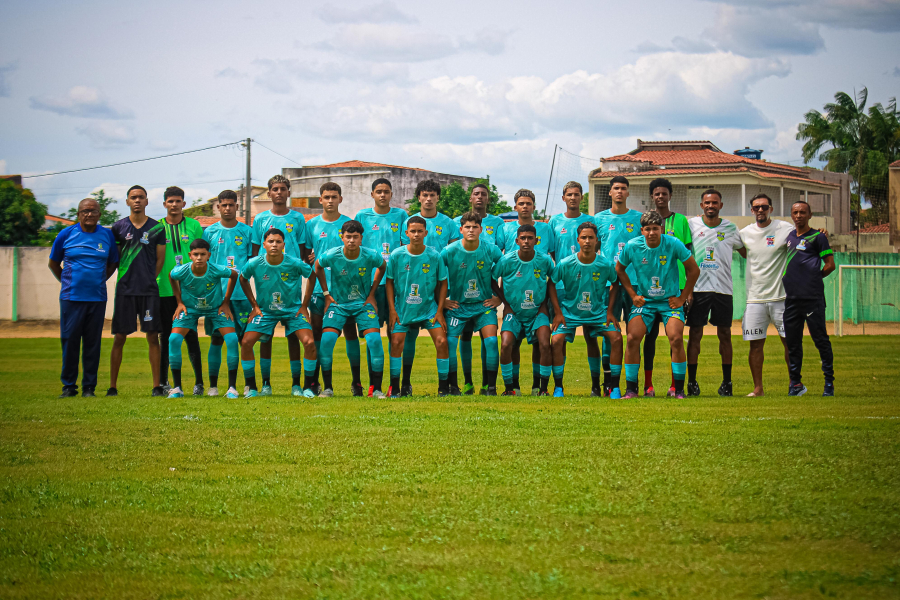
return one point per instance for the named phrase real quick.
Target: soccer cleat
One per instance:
(68, 393)
(232, 393)
(796, 389)
(308, 393)
(251, 394)
(679, 395)
(615, 394)
(829, 389)
(112, 392)
(454, 390)
(165, 386)
(327, 393)
(356, 389)
(540, 393)
(246, 388)
(442, 393)
(392, 393)
(371, 391)
(198, 389)
(649, 392)
(596, 392)
(558, 393)
(158, 391)
(378, 394)
(488, 391)
(405, 390)
(725, 389)
(266, 390)
(88, 394)
(468, 389)
(175, 393)
(607, 390)
(316, 388)
(510, 393)
(296, 390)
(671, 392)
(535, 391)
(213, 391)
(629, 395)
(693, 388)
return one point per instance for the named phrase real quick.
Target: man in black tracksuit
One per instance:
(805, 297)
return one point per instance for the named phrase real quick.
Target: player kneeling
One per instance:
(586, 277)
(278, 279)
(523, 279)
(655, 258)
(198, 289)
(354, 285)
(416, 289)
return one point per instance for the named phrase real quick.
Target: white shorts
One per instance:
(757, 317)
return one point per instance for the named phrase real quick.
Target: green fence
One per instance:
(871, 295)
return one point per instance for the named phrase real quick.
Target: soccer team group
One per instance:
(335, 275)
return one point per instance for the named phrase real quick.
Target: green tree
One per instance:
(107, 217)
(859, 142)
(455, 200)
(583, 207)
(21, 216)
(46, 238)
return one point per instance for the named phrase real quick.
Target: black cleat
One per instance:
(158, 391)
(455, 391)
(68, 393)
(544, 393)
(316, 388)
(112, 392)
(829, 389)
(356, 389)
(488, 391)
(88, 394)
(510, 392)
(596, 392)
(405, 390)
(796, 389)
(198, 389)
(725, 389)
(442, 393)
(693, 388)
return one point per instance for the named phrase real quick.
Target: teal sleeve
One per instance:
(326, 259)
(247, 271)
(255, 234)
(443, 271)
(305, 269)
(556, 273)
(624, 258)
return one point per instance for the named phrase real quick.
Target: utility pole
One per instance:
(247, 186)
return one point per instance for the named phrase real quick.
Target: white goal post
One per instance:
(839, 314)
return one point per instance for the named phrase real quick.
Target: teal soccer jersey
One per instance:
(415, 277)
(383, 232)
(587, 288)
(470, 273)
(351, 279)
(491, 226)
(231, 248)
(292, 225)
(322, 236)
(204, 293)
(565, 234)
(510, 231)
(524, 282)
(656, 269)
(279, 288)
(441, 231)
(615, 231)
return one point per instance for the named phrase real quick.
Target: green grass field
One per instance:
(139, 497)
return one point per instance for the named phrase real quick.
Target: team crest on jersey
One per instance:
(538, 242)
(185, 238)
(395, 227)
(489, 229)
(720, 236)
(289, 227)
(238, 240)
(663, 259)
(438, 230)
(537, 273)
(285, 277)
(670, 232)
(211, 285)
(100, 246)
(629, 227)
(362, 271)
(770, 240)
(426, 267)
(595, 276)
(479, 264)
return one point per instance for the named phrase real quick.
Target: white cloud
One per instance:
(872, 15)
(757, 32)
(81, 101)
(382, 12)
(161, 145)
(105, 135)
(396, 43)
(2, 167)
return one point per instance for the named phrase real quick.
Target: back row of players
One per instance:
(450, 277)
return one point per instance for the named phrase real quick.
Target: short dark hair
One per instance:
(524, 193)
(352, 226)
(711, 191)
(660, 182)
(587, 225)
(330, 186)
(135, 187)
(379, 181)
(574, 184)
(470, 217)
(618, 179)
(481, 184)
(173, 191)
(227, 195)
(808, 207)
(273, 231)
(651, 217)
(279, 179)
(199, 243)
(758, 196)
(417, 220)
(526, 229)
(429, 185)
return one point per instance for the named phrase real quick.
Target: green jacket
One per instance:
(178, 249)
(677, 226)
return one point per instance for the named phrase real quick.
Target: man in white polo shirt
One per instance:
(765, 248)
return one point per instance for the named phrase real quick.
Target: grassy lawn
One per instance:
(139, 497)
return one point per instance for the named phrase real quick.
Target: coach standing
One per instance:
(82, 258)
(804, 289)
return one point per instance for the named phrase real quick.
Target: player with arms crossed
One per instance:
(230, 246)
(197, 287)
(655, 258)
(472, 298)
(278, 278)
(714, 240)
(416, 290)
(356, 274)
(523, 279)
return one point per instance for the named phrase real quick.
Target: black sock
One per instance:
(490, 378)
(607, 378)
(543, 383)
(614, 381)
(515, 382)
(295, 380)
(453, 378)
(679, 386)
(375, 377)
(443, 386)
(315, 373)
(726, 372)
(326, 379)
(595, 381)
(692, 372)
(232, 379)
(213, 381)
(250, 382)
(395, 385)
(468, 376)
(631, 386)
(309, 380)
(407, 374)
(536, 381)
(176, 377)
(557, 381)
(354, 370)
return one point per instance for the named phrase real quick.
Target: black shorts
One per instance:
(711, 307)
(128, 311)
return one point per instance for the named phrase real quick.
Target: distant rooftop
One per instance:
(359, 164)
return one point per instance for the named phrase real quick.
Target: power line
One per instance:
(128, 162)
(278, 153)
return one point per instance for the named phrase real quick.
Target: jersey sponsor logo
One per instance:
(202, 304)
(414, 297)
(354, 293)
(179, 260)
(472, 291)
(238, 240)
(145, 239)
(100, 246)
(285, 277)
(663, 259)
(720, 236)
(438, 229)
(276, 303)
(385, 250)
(289, 227)
(710, 254)
(629, 227)
(756, 331)
(375, 227)
(528, 301)
(585, 303)
(800, 246)
(128, 236)
(426, 267)
(229, 262)
(148, 316)
(479, 264)
(221, 240)
(655, 289)
(770, 240)
(612, 226)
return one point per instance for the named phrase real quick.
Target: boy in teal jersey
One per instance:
(416, 291)
(586, 277)
(565, 243)
(523, 279)
(472, 298)
(197, 288)
(279, 286)
(322, 234)
(293, 225)
(616, 227)
(384, 226)
(230, 246)
(356, 274)
(656, 294)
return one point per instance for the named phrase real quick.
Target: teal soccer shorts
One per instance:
(652, 310)
(265, 324)
(429, 323)
(241, 311)
(477, 314)
(365, 316)
(593, 328)
(525, 329)
(215, 320)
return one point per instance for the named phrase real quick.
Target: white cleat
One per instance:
(175, 393)
(378, 394)
(329, 393)
(213, 391)
(232, 393)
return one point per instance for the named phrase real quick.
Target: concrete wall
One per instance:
(868, 242)
(894, 204)
(38, 289)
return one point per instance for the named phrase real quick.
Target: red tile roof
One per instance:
(896, 163)
(62, 220)
(360, 164)
(703, 171)
(698, 157)
(883, 228)
(207, 221)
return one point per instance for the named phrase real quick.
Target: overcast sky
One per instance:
(470, 88)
